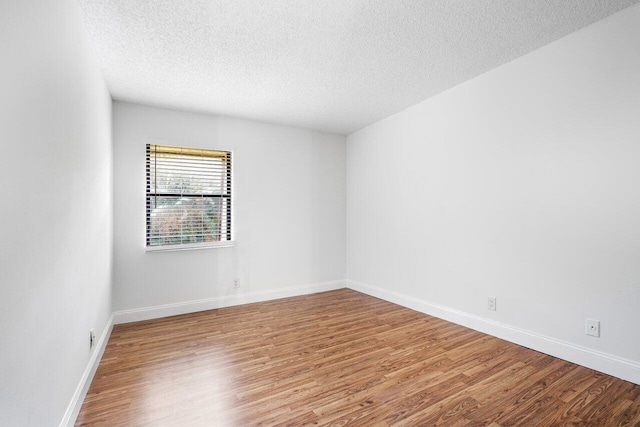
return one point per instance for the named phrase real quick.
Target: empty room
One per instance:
(291, 212)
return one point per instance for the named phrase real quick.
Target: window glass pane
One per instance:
(180, 220)
(174, 174)
(188, 196)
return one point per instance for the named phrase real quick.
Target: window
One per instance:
(188, 197)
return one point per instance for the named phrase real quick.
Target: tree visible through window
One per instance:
(188, 196)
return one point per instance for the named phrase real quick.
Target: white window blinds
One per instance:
(188, 196)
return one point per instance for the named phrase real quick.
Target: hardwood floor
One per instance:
(339, 358)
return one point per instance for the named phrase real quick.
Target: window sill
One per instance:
(189, 247)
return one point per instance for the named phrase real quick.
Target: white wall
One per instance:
(56, 227)
(289, 214)
(523, 184)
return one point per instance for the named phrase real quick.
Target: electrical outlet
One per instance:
(592, 327)
(236, 284)
(92, 338)
(491, 303)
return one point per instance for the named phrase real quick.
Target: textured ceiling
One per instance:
(331, 65)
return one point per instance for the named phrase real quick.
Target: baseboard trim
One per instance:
(625, 369)
(73, 409)
(155, 312)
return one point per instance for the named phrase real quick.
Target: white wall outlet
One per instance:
(92, 338)
(491, 303)
(592, 327)
(236, 284)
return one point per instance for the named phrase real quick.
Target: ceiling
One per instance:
(329, 65)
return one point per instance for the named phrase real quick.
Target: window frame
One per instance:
(226, 196)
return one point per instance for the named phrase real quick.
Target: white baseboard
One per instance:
(625, 369)
(155, 312)
(73, 409)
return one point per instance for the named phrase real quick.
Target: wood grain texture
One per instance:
(339, 358)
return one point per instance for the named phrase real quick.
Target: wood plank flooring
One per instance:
(339, 358)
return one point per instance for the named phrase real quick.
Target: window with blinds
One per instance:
(188, 197)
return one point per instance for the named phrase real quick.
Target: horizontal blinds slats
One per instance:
(209, 171)
(201, 169)
(183, 172)
(188, 195)
(181, 160)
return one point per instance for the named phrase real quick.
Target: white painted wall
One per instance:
(523, 184)
(56, 227)
(289, 214)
